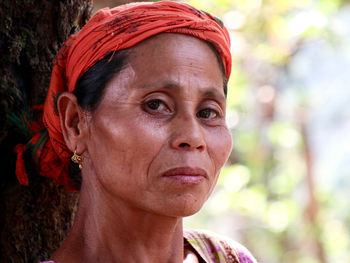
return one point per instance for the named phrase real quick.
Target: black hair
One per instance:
(91, 85)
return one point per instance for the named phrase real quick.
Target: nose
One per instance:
(188, 134)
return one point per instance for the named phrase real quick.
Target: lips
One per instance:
(186, 175)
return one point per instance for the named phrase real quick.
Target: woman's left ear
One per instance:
(73, 122)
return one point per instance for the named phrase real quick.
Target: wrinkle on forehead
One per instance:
(185, 51)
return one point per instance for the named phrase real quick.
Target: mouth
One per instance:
(186, 175)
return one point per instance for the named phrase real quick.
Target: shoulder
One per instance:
(218, 248)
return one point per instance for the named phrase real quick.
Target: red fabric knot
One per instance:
(21, 173)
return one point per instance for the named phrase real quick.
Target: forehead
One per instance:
(174, 56)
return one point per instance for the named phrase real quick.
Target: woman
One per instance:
(137, 101)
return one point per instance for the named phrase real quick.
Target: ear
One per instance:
(73, 122)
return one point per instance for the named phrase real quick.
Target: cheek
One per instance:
(117, 144)
(220, 146)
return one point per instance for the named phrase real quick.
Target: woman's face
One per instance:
(158, 138)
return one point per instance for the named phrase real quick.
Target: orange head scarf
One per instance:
(108, 30)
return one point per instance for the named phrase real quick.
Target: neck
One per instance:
(108, 230)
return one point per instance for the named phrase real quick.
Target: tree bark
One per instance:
(35, 219)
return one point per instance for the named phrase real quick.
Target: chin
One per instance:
(191, 213)
(185, 207)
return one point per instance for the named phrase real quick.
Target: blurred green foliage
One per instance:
(270, 196)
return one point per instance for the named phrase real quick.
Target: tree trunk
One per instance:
(35, 219)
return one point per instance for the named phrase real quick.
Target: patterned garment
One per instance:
(213, 248)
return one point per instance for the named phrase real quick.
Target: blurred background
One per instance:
(284, 192)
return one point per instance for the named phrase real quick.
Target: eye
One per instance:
(208, 114)
(156, 105)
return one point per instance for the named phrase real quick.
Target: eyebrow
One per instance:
(214, 93)
(209, 92)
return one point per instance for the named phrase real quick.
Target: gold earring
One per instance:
(76, 158)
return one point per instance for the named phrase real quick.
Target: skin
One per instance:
(165, 110)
